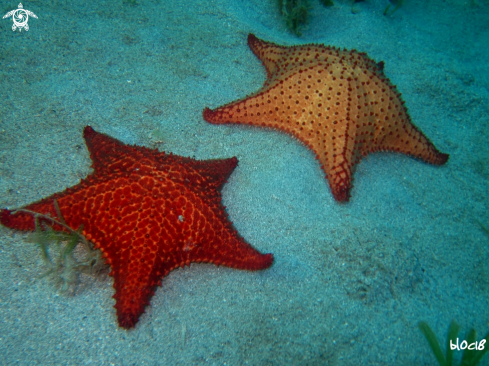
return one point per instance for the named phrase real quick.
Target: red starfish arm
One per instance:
(25, 221)
(228, 249)
(207, 235)
(216, 172)
(22, 220)
(110, 156)
(135, 281)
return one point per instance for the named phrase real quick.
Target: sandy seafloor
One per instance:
(350, 281)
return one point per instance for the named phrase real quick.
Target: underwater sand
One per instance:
(350, 281)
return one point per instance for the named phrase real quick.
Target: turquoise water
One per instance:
(350, 281)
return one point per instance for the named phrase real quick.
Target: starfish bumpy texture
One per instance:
(339, 103)
(149, 213)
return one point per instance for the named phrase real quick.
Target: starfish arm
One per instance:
(214, 172)
(136, 278)
(226, 248)
(18, 220)
(268, 53)
(208, 236)
(65, 200)
(111, 155)
(337, 159)
(260, 109)
(386, 125)
(411, 141)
